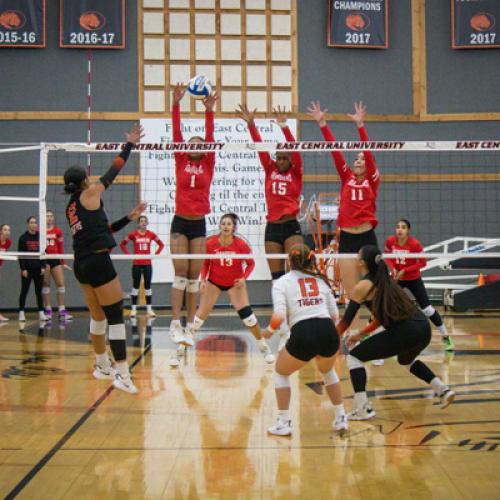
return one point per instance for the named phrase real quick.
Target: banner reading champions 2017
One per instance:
(238, 184)
(358, 24)
(475, 24)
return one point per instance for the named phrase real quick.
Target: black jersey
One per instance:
(90, 228)
(29, 242)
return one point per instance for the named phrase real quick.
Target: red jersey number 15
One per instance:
(308, 287)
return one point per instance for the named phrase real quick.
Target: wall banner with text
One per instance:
(474, 24)
(22, 23)
(361, 24)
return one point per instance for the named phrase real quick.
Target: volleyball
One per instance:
(199, 87)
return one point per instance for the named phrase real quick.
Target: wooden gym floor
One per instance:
(199, 431)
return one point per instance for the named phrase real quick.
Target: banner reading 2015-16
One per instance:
(475, 24)
(360, 24)
(22, 23)
(96, 24)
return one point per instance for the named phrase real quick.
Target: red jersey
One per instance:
(142, 245)
(411, 266)
(358, 198)
(193, 178)
(225, 272)
(55, 241)
(4, 247)
(282, 189)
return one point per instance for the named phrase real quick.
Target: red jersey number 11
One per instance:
(358, 192)
(308, 287)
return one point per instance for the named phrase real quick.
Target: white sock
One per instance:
(61, 308)
(175, 323)
(361, 399)
(149, 307)
(339, 410)
(122, 369)
(284, 415)
(189, 326)
(262, 342)
(438, 386)
(134, 307)
(443, 331)
(102, 360)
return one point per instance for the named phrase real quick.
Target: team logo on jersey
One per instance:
(92, 21)
(276, 176)
(355, 183)
(193, 169)
(482, 21)
(12, 19)
(357, 22)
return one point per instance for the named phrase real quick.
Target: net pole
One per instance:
(42, 193)
(89, 102)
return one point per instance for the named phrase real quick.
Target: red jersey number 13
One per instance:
(308, 287)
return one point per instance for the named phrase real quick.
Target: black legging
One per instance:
(33, 274)
(146, 271)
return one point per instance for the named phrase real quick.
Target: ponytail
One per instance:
(303, 259)
(390, 303)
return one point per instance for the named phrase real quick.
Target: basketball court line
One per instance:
(69, 434)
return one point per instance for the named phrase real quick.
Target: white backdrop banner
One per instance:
(238, 184)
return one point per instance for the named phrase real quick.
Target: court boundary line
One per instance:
(19, 487)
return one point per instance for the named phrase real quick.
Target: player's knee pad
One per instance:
(98, 327)
(277, 275)
(197, 323)
(247, 316)
(114, 313)
(353, 362)
(179, 283)
(429, 311)
(61, 289)
(331, 377)
(148, 292)
(45, 290)
(281, 381)
(117, 332)
(134, 292)
(193, 286)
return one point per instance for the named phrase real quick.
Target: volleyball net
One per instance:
(450, 191)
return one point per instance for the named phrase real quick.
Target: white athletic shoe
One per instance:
(41, 316)
(150, 312)
(377, 362)
(281, 428)
(364, 413)
(188, 337)
(341, 425)
(124, 384)
(174, 361)
(266, 352)
(101, 373)
(3, 318)
(181, 350)
(446, 398)
(133, 313)
(22, 317)
(177, 333)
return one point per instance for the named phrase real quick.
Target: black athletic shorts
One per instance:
(313, 337)
(417, 288)
(279, 232)
(53, 263)
(222, 288)
(404, 339)
(351, 243)
(95, 269)
(143, 270)
(191, 229)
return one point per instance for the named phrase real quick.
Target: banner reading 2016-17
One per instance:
(358, 24)
(475, 24)
(22, 23)
(96, 24)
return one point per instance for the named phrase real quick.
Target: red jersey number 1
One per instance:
(308, 287)
(193, 180)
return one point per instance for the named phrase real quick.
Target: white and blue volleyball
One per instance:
(199, 87)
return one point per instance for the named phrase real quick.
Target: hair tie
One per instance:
(378, 258)
(311, 254)
(295, 252)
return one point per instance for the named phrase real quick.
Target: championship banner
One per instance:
(474, 24)
(96, 24)
(237, 185)
(22, 23)
(361, 24)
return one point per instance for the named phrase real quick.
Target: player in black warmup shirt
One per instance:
(31, 269)
(92, 241)
(407, 332)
